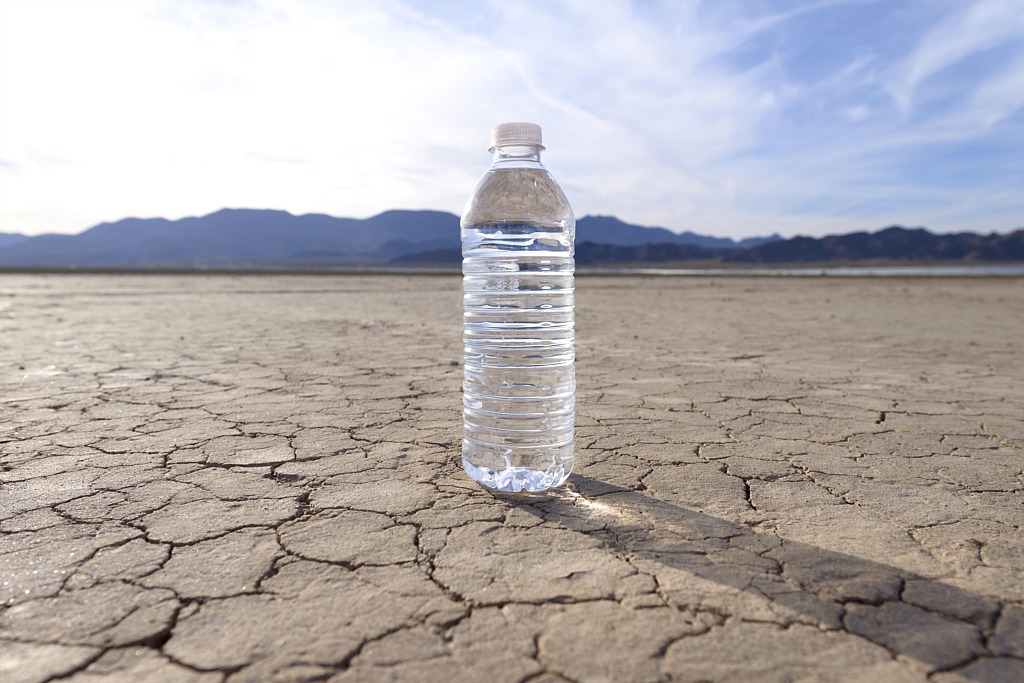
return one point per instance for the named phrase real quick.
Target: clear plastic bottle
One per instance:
(518, 295)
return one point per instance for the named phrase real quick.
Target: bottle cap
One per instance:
(516, 133)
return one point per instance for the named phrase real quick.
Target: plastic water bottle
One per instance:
(520, 381)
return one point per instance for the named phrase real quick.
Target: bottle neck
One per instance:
(517, 156)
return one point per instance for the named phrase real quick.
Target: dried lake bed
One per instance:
(256, 477)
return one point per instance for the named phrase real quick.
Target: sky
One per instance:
(725, 117)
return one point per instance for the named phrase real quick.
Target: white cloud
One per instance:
(676, 114)
(858, 112)
(999, 97)
(162, 107)
(972, 28)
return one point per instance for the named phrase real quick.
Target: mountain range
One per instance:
(891, 244)
(7, 239)
(242, 238)
(257, 237)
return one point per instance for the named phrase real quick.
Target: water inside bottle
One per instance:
(519, 387)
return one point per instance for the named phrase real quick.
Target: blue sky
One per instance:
(732, 118)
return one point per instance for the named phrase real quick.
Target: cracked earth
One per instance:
(256, 478)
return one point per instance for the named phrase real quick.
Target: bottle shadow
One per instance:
(704, 563)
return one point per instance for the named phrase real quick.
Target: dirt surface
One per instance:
(257, 478)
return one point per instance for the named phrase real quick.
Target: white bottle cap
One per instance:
(516, 133)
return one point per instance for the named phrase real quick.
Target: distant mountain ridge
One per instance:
(238, 237)
(7, 239)
(893, 243)
(260, 237)
(611, 230)
(243, 238)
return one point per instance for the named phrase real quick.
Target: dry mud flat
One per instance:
(256, 478)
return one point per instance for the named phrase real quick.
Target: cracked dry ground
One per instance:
(256, 478)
